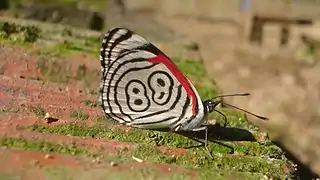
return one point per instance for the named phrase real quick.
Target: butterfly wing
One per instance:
(141, 87)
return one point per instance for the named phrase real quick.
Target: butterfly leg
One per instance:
(224, 117)
(205, 129)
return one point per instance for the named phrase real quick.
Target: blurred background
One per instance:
(269, 48)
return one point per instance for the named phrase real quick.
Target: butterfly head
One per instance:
(210, 105)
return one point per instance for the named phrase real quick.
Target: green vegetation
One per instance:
(53, 70)
(38, 111)
(71, 46)
(58, 71)
(90, 103)
(308, 51)
(9, 176)
(79, 115)
(251, 157)
(146, 136)
(245, 161)
(144, 173)
(10, 110)
(42, 146)
(51, 42)
(19, 33)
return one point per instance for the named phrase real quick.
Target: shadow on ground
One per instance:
(216, 133)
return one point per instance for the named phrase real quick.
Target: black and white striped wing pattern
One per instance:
(141, 87)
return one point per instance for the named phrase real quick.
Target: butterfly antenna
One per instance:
(260, 117)
(239, 94)
(228, 95)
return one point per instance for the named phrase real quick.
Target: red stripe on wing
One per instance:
(179, 75)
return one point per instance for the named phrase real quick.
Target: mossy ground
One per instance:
(248, 160)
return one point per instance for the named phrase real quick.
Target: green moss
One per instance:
(10, 176)
(226, 165)
(81, 72)
(221, 167)
(73, 129)
(67, 32)
(105, 120)
(59, 71)
(145, 173)
(20, 33)
(222, 175)
(72, 43)
(198, 160)
(79, 115)
(9, 110)
(38, 111)
(42, 146)
(53, 70)
(90, 103)
(249, 156)
(148, 136)
(71, 47)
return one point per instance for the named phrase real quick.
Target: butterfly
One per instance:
(141, 87)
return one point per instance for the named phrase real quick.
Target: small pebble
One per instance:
(137, 159)
(34, 162)
(113, 164)
(47, 116)
(50, 119)
(96, 160)
(48, 156)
